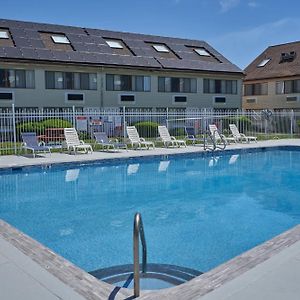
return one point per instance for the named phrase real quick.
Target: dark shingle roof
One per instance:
(275, 68)
(88, 46)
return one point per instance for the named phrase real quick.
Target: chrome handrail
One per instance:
(138, 232)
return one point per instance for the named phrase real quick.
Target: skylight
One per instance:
(114, 44)
(161, 48)
(263, 62)
(3, 35)
(201, 52)
(60, 39)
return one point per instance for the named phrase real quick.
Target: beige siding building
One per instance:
(273, 79)
(51, 66)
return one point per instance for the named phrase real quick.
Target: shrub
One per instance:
(242, 122)
(179, 131)
(147, 129)
(40, 126)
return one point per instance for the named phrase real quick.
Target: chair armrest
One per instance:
(42, 143)
(173, 138)
(142, 140)
(81, 142)
(242, 135)
(114, 141)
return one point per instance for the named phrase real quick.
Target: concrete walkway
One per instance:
(22, 277)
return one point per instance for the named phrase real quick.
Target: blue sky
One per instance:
(239, 29)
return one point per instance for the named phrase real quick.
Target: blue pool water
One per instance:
(198, 211)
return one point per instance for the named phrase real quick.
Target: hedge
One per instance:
(147, 128)
(242, 122)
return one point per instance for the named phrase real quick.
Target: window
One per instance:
(291, 99)
(114, 44)
(218, 86)
(220, 100)
(251, 100)
(17, 79)
(288, 86)
(128, 83)
(177, 85)
(180, 99)
(75, 97)
(263, 62)
(60, 39)
(6, 96)
(70, 80)
(3, 34)
(127, 98)
(201, 52)
(161, 48)
(256, 89)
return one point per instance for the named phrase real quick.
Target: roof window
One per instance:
(263, 62)
(202, 52)
(114, 44)
(3, 34)
(60, 39)
(287, 57)
(161, 48)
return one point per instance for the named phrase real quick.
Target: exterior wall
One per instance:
(41, 97)
(272, 100)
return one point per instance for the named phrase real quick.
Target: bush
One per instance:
(179, 131)
(242, 122)
(40, 126)
(147, 129)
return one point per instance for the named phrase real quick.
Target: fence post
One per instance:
(167, 115)
(292, 123)
(73, 116)
(14, 127)
(124, 122)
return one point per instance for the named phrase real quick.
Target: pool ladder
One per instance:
(138, 233)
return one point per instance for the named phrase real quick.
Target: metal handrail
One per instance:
(138, 232)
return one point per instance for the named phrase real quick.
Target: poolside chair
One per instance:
(191, 135)
(102, 139)
(163, 165)
(132, 169)
(167, 139)
(135, 140)
(30, 142)
(240, 137)
(218, 137)
(73, 143)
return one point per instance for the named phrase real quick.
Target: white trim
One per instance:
(7, 101)
(180, 103)
(129, 102)
(74, 101)
(219, 96)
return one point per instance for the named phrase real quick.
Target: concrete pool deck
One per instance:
(28, 270)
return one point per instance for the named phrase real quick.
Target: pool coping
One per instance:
(91, 288)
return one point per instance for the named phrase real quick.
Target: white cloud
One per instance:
(227, 5)
(241, 47)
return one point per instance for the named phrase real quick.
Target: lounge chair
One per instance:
(218, 137)
(30, 142)
(102, 139)
(73, 143)
(167, 139)
(240, 137)
(132, 169)
(135, 140)
(191, 135)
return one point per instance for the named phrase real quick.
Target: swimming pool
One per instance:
(198, 211)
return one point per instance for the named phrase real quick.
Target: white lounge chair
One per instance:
(219, 137)
(240, 137)
(167, 139)
(73, 143)
(135, 140)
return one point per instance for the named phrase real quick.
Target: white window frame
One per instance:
(161, 48)
(220, 96)
(202, 52)
(7, 91)
(114, 44)
(4, 34)
(179, 103)
(126, 94)
(74, 101)
(60, 39)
